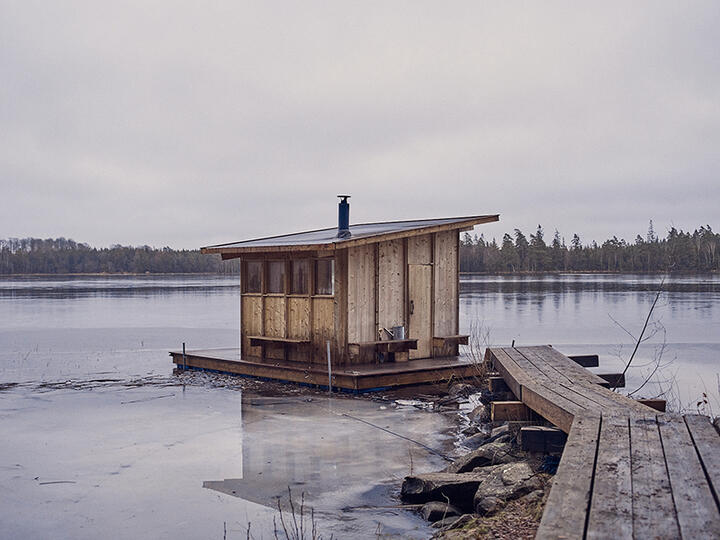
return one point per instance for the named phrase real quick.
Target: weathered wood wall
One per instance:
(411, 282)
(391, 284)
(445, 288)
(361, 294)
(299, 325)
(298, 316)
(251, 317)
(374, 286)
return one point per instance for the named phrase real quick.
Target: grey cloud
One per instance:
(177, 124)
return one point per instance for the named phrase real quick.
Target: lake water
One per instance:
(595, 313)
(99, 438)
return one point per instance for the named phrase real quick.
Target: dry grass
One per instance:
(478, 342)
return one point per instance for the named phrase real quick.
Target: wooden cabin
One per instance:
(364, 294)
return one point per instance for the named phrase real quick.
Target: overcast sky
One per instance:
(186, 124)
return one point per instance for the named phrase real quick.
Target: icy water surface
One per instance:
(590, 313)
(100, 439)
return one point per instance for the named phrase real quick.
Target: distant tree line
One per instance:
(63, 256)
(680, 251)
(698, 251)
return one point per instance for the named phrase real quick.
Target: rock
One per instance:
(488, 454)
(436, 510)
(461, 389)
(453, 522)
(479, 414)
(500, 430)
(534, 497)
(507, 482)
(488, 506)
(459, 489)
(476, 440)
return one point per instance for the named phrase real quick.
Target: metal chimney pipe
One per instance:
(343, 217)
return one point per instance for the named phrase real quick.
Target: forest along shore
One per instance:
(678, 251)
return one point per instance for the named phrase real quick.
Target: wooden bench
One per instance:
(398, 348)
(439, 341)
(285, 343)
(447, 345)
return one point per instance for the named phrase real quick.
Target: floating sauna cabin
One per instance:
(364, 294)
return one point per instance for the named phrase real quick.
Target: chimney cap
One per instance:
(344, 197)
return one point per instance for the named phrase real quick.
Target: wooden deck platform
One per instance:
(626, 471)
(357, 377)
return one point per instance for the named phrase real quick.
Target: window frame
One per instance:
(316, 280)
(308, 277)
(269, 264)
(246, 276)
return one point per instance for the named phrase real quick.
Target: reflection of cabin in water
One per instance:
(379, 293)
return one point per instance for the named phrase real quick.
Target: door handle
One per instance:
(412, 307)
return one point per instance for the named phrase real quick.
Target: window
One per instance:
(253, 277)
(324, 276)
(300, 277)
(276, 277)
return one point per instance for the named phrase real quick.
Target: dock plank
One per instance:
(643, 475)
(582, 392)
(514, 376)
(567, 505)
(558, 361)
(585, 360)
(551, 406)
(611, 509)
(587, 384)
(653, 507)
(697, 511)
(706, 440)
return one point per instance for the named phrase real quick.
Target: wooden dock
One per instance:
(354, 377)
(627, 471)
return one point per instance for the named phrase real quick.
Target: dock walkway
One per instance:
(627, 471)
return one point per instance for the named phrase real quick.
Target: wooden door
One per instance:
(419, 298)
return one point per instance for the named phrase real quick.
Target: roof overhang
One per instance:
(275, 244)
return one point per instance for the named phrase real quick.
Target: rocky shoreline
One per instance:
(496, 490)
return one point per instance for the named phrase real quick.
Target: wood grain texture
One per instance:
(419, 327)
(707, 442)
(323, 328)
(697, 511)
(355, 377)
(611, 509)
(503, 411)
(340, 309)
(445, 289)
(251, 323)
(275, 323)
(299, 326)
(419, 250)
(361, 294)
(653, 507)
(391, 284)
(567, 505)
(650, 476)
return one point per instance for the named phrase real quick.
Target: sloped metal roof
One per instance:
(362, 233)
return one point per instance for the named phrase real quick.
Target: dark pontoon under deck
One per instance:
(355, 377)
